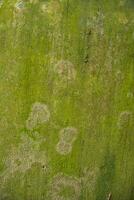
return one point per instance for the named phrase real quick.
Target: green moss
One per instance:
(75, 57)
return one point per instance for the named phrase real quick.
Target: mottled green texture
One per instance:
(67, 100)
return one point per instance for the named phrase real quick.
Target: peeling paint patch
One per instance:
(39, 115)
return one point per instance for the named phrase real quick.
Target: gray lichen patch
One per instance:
(67, 137)
(96, 23)
(64, 187)
(23, 157)
(119, 76)
(63, 148)
(125, 119)
(39, 115)
(68, 134)
(51, 10)
(65, 70)
(89, 178)
(19, 6)
(38, 137)
(18, 14)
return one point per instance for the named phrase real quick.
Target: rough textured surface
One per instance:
(66, 100)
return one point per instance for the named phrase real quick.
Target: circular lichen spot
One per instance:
(19, 6)
(125, 119)
(63, 148)
(64, 187)
(52, 11)
(39, 115)
(23, 157)
(65, 70)
(67, 137)
(119, 76)
(68, 134)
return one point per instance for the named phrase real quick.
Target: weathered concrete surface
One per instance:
(67, 100)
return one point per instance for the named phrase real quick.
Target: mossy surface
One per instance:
(66, 100)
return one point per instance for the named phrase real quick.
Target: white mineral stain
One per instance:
(64, 187)
(67, 137)
(65, 70)
(39, 115)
